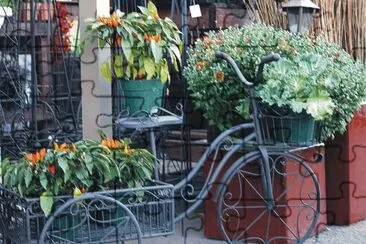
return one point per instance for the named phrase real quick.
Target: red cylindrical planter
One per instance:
(293, 196)
(346, 172)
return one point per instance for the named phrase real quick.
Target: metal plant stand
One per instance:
(144, 121)
(100, 217)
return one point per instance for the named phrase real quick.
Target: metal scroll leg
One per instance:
(153, 151)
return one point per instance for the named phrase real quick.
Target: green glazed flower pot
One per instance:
(295, 129)
(141, 94)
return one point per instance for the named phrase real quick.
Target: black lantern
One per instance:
(300, 14)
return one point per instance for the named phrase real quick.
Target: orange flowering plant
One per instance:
(135, 165)
(72, 169)
(142, 43)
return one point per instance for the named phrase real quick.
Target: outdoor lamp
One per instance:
(300, 14)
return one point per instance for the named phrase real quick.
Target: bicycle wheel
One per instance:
(244, 212)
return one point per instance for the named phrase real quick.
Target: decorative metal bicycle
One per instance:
(265, 192)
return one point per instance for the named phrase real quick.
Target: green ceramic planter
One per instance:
(287, 127)
(141, 94)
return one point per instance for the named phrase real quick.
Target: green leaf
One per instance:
(43, 180)
(118, 66)
(63, 163)
(152, 8)
(82, 175)
(149, 66)
(128, 71)
(134, 73)
(176, 52)
(126, 48)
(147, 173)
(89, 163)
(28, 177)
(157, 51)
(105, 71)
(143, 10)
(102, 43)
(96, 25)
(164, 72)
(46, 200)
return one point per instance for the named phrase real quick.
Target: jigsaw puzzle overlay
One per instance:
(43, 100)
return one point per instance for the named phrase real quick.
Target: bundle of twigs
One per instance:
(339, 21)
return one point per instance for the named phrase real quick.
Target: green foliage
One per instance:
(76, 168)
(313, 76)
(4, 3)
(142, 44)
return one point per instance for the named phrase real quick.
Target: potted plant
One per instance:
(313, 76)
(55, 175)
(5, 11)
(142, 46)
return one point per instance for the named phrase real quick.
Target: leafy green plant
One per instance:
(76, 168)
(4, 3)
(142, 43)
(313, 75)
(135, 165)
(300, 83)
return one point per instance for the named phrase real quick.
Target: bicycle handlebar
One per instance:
(235, 67)
(270, 58)
(265, 60)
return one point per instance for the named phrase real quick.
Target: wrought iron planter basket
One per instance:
(284, 127)
(91, 220)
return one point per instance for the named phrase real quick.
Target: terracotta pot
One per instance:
(247, 195)
(345, 162)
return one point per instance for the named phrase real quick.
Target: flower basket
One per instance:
(23, 219)
(282, 126)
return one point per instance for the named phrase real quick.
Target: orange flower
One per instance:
(199, 66)
(117, 144)
(73, 146)
(37, 157)
(147, 38)
(219, 75)
(63, 147)
(34, 158)
(111, 144)
(43, 152)
(52, 169)
(104, 142)
(157, 38)
(56, 147)
(28, 157)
